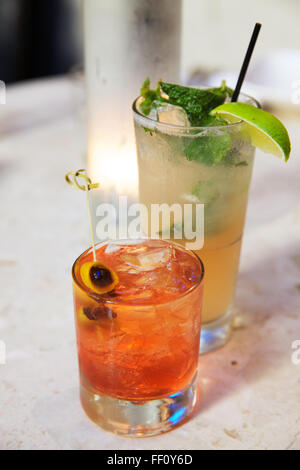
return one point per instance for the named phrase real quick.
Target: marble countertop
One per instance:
(250, 388)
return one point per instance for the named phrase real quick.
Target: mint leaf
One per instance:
(150, 131)
(196, 102)
(206, 149)
(233, 157)
(210, 121)
(150, 96)
(206, 191)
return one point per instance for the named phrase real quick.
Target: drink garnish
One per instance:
(196, 102)
(265, 130)
(95, 275)
(98, 277)
(208, 108)
(91, 314)
(72, 179)
(206, 149)
(151, 97)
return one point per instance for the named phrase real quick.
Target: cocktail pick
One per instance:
(95, 275)
(246, 62)
(72, 179)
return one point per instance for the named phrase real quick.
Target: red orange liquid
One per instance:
(145, 343)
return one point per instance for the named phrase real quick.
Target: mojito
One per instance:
(212, 165)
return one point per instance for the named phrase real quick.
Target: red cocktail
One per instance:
(138, 343)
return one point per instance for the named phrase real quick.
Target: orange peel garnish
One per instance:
(98, 277)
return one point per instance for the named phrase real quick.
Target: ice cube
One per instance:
(111, 248)
(116, 246)
(152, 259)
(153, 113)
(170, 114)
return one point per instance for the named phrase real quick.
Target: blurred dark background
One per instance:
(39, 38)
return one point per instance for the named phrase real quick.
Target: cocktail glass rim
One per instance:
(98, 297)
(201, 129)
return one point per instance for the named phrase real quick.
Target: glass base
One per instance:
(216, 333)
(139, 419)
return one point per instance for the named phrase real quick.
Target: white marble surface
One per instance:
(250, 388)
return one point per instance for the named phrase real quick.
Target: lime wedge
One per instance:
(266, 131)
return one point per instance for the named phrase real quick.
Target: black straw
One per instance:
(246, 62)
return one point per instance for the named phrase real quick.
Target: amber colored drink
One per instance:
(140, 342)
(170, 174)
